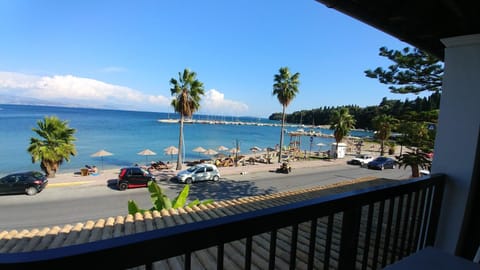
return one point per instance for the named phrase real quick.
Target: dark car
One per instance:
(31, 183)
(381, 163)
(132, 177)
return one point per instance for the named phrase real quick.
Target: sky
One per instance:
(122, 54)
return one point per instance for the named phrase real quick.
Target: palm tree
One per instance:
(415, 159)
(341, 122)
(187, 91)
(285, 87)
(383, 125)
(55, 145)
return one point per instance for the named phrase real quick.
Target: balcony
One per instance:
(366, 228)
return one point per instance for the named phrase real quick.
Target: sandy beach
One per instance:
(64, 178)
(75, 178)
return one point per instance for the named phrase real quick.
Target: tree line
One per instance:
(421, 109)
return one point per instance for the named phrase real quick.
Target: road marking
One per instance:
(64, 184)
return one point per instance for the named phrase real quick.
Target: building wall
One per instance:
(458, 132)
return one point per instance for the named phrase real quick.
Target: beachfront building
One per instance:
(402, 218)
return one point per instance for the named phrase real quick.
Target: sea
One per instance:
(126, 133)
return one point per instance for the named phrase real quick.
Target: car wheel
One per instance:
(215, 178)
(31, 191)
(188, 181)
(123, 186)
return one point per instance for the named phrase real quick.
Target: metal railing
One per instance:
(360, 229)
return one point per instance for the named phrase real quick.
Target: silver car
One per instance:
(200, 172)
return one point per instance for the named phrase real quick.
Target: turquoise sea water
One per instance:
(125, 133)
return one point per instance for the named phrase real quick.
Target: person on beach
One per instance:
(93, 170)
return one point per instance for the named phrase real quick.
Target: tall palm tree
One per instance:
(341, 122)
(187, 92)
(285, 87)
(54, 146)
(383, 125)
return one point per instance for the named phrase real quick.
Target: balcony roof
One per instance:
(419, 23)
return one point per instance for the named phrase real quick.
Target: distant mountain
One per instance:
(5, 99)
(17, 100)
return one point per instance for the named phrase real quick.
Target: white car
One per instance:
(361, 159)
(200, 172)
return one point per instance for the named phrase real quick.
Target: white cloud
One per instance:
(215, 102)
(71, 88)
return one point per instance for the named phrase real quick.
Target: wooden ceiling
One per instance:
(421, 23)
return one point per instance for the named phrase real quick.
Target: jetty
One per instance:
(225, 122)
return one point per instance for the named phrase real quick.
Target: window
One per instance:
(137, 171)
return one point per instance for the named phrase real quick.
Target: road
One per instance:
(58, 206)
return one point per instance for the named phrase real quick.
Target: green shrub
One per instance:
(161, 201)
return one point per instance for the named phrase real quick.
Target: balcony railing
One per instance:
(361, 229)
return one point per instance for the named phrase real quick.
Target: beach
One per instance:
(247, 171)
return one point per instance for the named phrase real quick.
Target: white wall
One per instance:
(458, 132)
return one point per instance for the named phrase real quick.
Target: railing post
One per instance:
(435, 212)
(349, 240)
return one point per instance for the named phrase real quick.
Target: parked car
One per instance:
(31, 183)
(133, 177)
(360, 159)
(381, 163)
(200, 172)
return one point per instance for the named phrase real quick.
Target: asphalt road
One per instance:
(57, 206)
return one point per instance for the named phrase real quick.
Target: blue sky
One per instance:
(122, 54)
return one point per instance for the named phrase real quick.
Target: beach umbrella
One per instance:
(199, 150)
(102, 153)
(210, 152)
(171, 150)
(320, 145)
(222, 148)
(146, 153)
(255, 149)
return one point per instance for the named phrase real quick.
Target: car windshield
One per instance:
(192, 169)
(381, 159)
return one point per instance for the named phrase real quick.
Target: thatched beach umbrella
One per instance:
(171, 150)
(222, 148)
(199, 150)
(210, 152)
(255, 149)
(146, 153)
(320, 146)
(102, 153)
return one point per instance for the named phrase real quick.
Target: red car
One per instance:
(133, 177)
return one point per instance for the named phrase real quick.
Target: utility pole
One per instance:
(237, 147)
